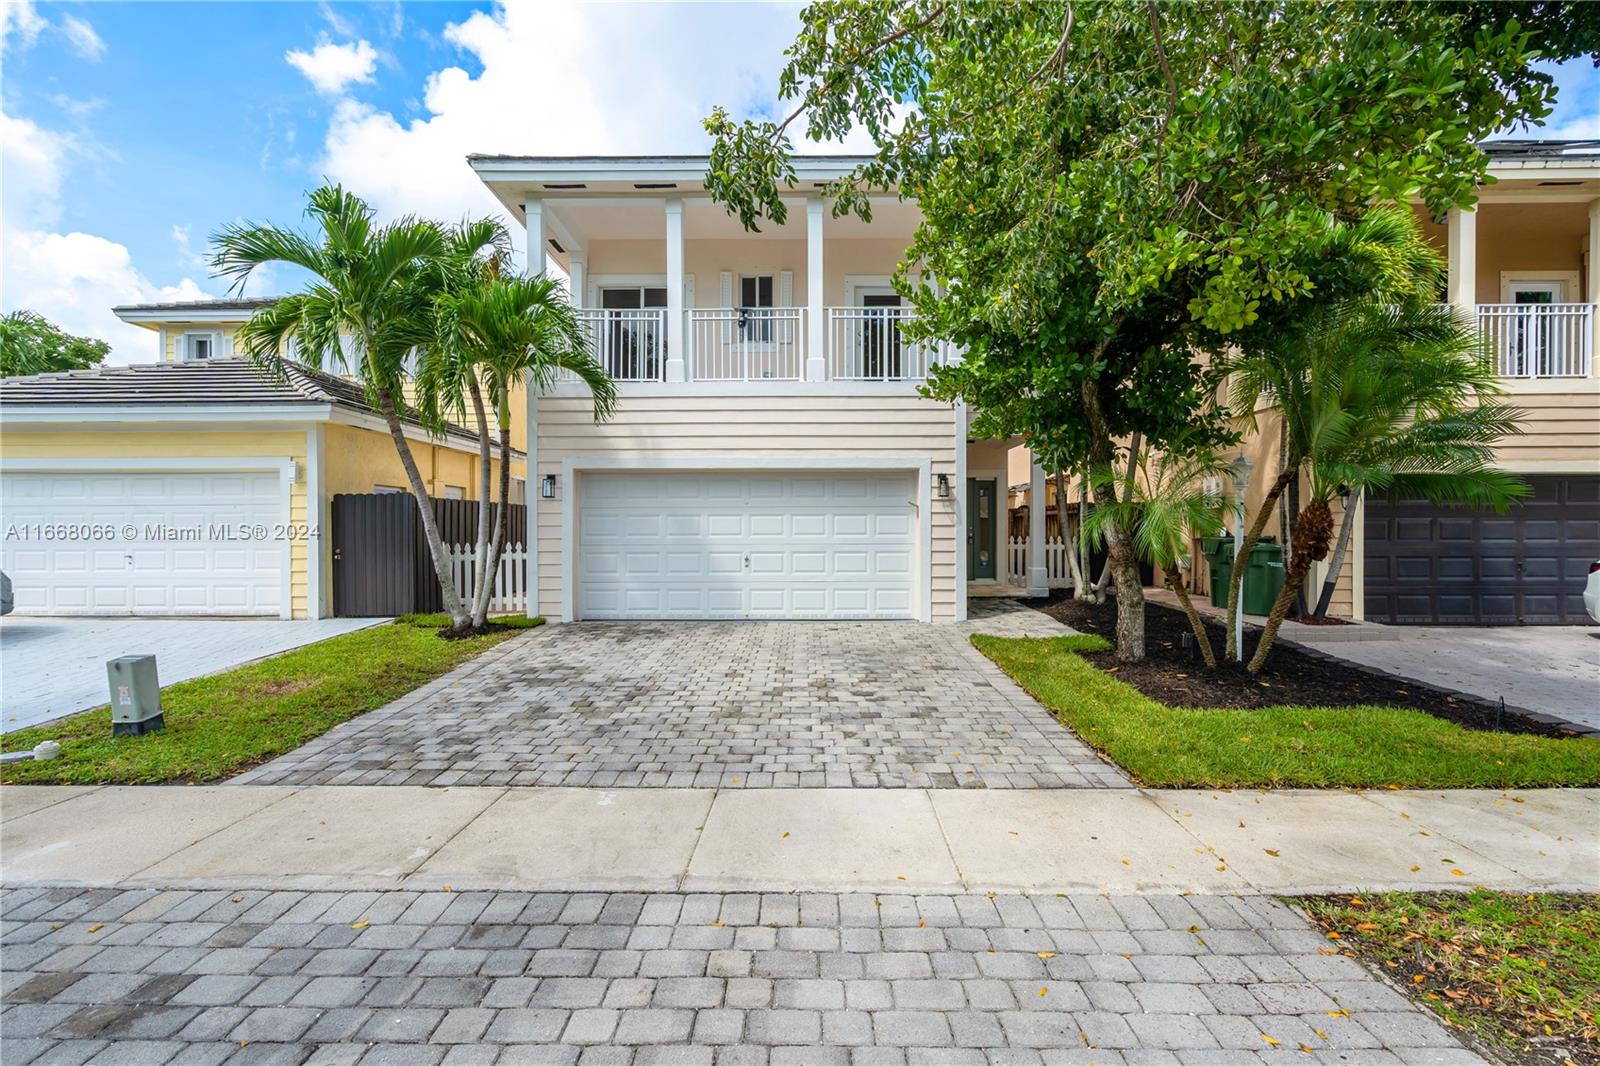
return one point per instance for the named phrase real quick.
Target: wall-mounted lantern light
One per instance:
(547, 487)
(944, 486)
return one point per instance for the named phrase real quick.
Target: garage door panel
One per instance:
(1528, 566)
(193, 574)
(740, 545)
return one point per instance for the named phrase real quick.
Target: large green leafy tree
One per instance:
(1107, 188)
(32, 344)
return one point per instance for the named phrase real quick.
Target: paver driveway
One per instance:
(815, 979)
(718, 704)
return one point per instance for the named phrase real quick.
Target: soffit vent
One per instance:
(655, 185)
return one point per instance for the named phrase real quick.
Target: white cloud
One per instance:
(20, 22)
(82, 37)
(332, 68)
(1577, 110)
(72, 278)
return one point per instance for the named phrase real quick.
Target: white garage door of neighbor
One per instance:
(724, 545)
(146, 574)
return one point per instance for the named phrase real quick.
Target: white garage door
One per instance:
(801, 545)
(172, 564)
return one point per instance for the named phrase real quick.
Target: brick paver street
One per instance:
(718, 704)
(135, 977)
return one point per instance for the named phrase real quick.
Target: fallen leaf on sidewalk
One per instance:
(1274, 1041)
(96, 927)
(1271, 852)
(362, 924)
(1045, 954)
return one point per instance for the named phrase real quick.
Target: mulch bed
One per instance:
(1290, 677)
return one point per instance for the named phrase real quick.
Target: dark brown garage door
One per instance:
(1431, 565)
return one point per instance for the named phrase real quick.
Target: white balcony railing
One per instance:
(746, 344)
(631, 344)
(1539, 340)
(866, 344)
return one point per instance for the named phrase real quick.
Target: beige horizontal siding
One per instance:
(739, 428)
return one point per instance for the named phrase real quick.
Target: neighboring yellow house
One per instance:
(201, 441)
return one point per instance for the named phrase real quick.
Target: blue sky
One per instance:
(134, 130)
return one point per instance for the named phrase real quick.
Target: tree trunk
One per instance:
(1299, 567)
(503, 515)
(459, 619)
(1346, 525)
(1291, 512)
(1084, 592)
(1175, 583)
(1242, 555)
(484, 581)
(1316, 529)
(1121, 561)
(1068, 548)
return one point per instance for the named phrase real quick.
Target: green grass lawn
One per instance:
(219, 725)
(1519, 973)
(1316, 747)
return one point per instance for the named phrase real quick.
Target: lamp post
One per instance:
(1241, 482)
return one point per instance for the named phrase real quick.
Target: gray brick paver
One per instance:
(821, 978)
(710, 705)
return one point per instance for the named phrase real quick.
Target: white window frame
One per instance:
(1512, 280)
(210, 336)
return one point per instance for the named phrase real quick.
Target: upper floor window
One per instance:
(199, 346)
(755, 305)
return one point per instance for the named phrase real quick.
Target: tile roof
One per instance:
(197, 383)
(249, 304)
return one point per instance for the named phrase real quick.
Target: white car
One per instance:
(1591, 592)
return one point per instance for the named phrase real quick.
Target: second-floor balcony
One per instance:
(738, 344)
(1539, 340)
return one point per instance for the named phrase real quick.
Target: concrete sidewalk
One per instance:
(1124, 841)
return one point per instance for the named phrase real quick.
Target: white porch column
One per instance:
(530, 413)
(1463, 259)
(676, 331)
(1591, 287)
(1038, 574)
(577, 277)
(816, 327)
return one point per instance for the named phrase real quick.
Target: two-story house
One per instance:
(770, 456)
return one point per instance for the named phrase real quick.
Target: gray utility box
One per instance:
(135, 695)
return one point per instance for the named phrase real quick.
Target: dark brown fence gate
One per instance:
(381, 564)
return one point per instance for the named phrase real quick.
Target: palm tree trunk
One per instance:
(1121, 562)
(1175, 583)
(1346, 525)
(1299, 567)
(1251, 538)
(459, 620)
(1085, 559)
(484, 579)
(503, 515)
(1068, 548)
(1315, 525)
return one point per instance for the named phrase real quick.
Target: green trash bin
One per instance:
(1219, 556)
(1263, 577)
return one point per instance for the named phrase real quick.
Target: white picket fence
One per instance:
(510, 579)
(1055, 562)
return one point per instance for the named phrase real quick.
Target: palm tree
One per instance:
(1381, 398)
(1166, 505)
(448, 379)
(366, 311)
(510, 329)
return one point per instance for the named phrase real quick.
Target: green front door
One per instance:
(980, 528)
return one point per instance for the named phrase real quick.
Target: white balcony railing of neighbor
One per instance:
(631, 344)
(746, 344)
(1539, 340)
(866, 344)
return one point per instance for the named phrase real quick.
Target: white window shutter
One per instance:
(727, 304)
(224, 344)
(180, 348)
(786, 299)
